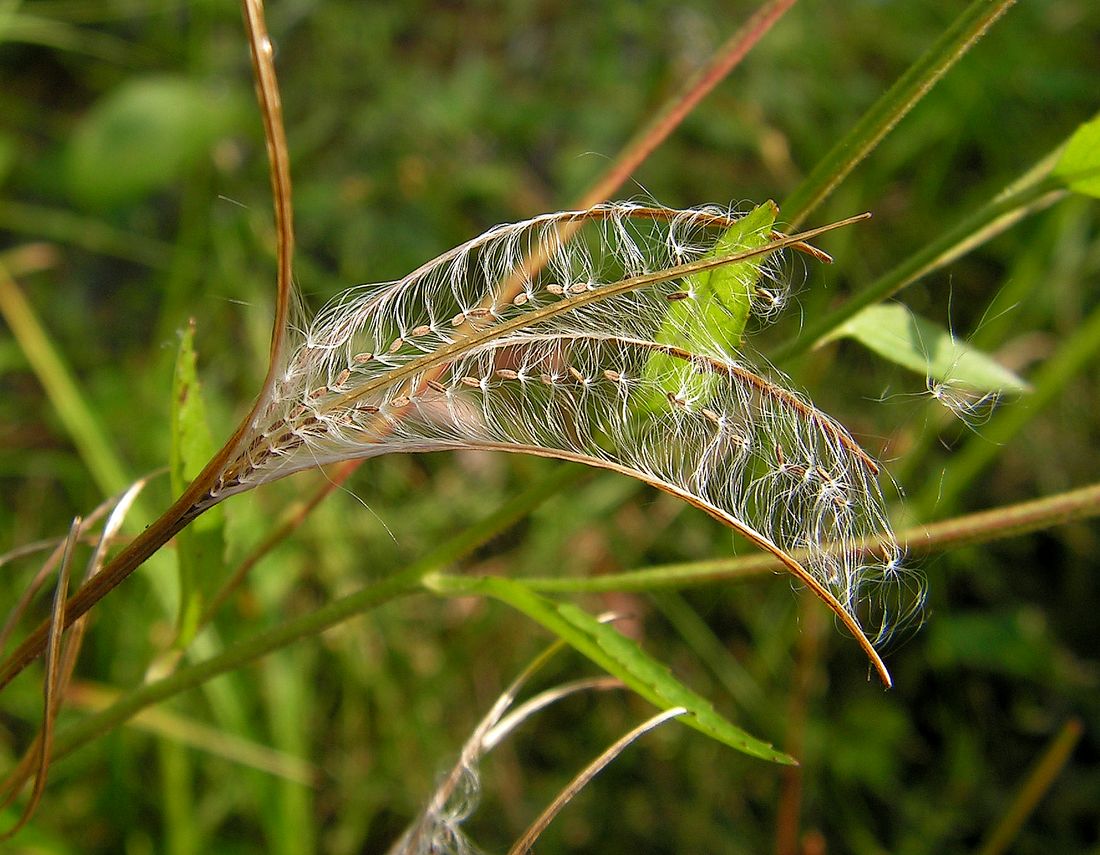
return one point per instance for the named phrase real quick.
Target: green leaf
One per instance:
(895, 333)
(616, 654)
(718, 309)
(200, 544)
(142, 136)
(1079, 164)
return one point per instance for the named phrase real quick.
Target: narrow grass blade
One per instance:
(80, 421)
(1034, 787)
(200, 546)
(1035, 191)
(885, 113)
(617, 655)
(527, 840)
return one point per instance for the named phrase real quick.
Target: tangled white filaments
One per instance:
(556, 337)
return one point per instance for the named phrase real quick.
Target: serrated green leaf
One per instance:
(200, 544)
(1079, 164)
(721, 299)
(141, 136)
(616, 654)
(895, 333)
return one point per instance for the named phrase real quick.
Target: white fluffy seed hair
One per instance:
(524, 339)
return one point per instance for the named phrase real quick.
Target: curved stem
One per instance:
(982, 527)
(196, 498)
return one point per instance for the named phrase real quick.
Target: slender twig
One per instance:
(39, 755)
(407, 582)
(1036, 785)
(807, 664)
(191, 503)
(527, 840)
(982, 527)
(672, 114)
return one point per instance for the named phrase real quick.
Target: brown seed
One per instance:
(547, 379)
(520, 300)
(478, 313)
(423, 329)
(613, 376)
(397, 343)
(470, 381)
(507, 373)
(317, 393)
(436, 386)
(580, 378)
(578, 288)
(400, 402)
(360, 358)
(343, 376)
(675, 400)
(371, 409)
(458, 320)
(677, 295)
(713, 416)
(555, 289)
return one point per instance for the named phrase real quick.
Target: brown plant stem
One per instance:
(807, 665)
(669, 117)
(633, 155)
(196, 498)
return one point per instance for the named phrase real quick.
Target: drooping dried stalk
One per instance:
(576, 364)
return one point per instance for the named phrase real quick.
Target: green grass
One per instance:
(413, 127)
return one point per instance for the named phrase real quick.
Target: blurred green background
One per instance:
(134, 196)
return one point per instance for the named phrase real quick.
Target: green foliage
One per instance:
(618, 655)
(897, 334)
(1079, 165)
(200, 546)
(413, 127)
(142, 137)
(720, 303)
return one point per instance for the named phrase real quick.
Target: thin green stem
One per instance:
(881, 118)
(80, 421)
(1035, 786)
(408, 581)
(983, 527)
(984, 224)
(312, 624)
(88, 233)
